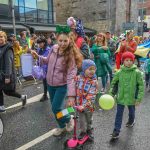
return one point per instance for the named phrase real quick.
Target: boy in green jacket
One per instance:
(128, 84)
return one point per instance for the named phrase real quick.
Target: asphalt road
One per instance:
(22, 126)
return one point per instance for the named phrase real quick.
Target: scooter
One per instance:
(74, 142)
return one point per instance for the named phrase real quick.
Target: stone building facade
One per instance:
(100, 15)
(126, 15)
(62, 10)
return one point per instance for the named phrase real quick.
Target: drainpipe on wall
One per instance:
(142, 16)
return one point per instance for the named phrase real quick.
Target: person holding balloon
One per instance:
(128, 86)
(86, 90)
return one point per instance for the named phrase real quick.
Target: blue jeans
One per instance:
(147, 78)
(104, 80)
(57, 99)
(119, 116)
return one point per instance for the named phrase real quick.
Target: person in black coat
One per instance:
(7, 72)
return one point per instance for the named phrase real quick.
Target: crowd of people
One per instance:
(73, 63)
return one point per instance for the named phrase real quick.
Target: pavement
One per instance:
(32, 127)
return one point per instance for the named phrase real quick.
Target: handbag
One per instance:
(38, 72)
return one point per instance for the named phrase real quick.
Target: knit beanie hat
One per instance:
(128, 55)
(86, 64)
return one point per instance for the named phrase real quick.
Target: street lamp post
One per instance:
(142, 17)
(11, 3)
(109, 14)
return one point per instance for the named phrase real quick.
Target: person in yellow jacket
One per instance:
(18, 51)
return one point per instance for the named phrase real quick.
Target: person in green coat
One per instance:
(101, 58)
(128, 86)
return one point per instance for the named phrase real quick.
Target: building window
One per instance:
(42, 4)
(140, 12)
(21, 3)
(4, 2)
(74, 5)
(4, 12)
(28, 10)
(31, 14)
(16, 2)
(30, 3)
(22, 14)
(102, 1)
(102, 15)
(42, 16)
(142, 0)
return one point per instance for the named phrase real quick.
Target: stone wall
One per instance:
(99, 26)
(121, 15)
(134, 14)
(62, 9)
(101, 15)
(95, 14)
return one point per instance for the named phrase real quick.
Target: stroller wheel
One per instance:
(80, 147)
(65, 145)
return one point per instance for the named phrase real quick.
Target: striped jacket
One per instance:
(86, 90)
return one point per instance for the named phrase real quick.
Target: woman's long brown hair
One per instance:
(71, 52)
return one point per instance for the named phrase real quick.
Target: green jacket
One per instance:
(129, 85)
(102, 69)
(147, 66)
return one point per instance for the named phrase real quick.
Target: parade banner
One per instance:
(143, 49)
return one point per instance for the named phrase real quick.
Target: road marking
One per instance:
(37, 140)
(30, 100)
(1, 128)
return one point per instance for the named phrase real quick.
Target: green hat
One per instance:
(62, 29)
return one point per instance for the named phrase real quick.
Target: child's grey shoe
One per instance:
(130, 124)
(114, 135)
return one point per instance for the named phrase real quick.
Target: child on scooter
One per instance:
(87, 88)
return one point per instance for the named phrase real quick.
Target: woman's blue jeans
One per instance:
(57, 99)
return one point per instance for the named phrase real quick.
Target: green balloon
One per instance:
(106, 102)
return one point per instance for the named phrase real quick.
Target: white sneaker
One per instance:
(70, 125)
(103, 91)
(59, 131)
(2, 109)
(24, 100)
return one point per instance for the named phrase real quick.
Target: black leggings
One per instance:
(45, 86)
(9, 93)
